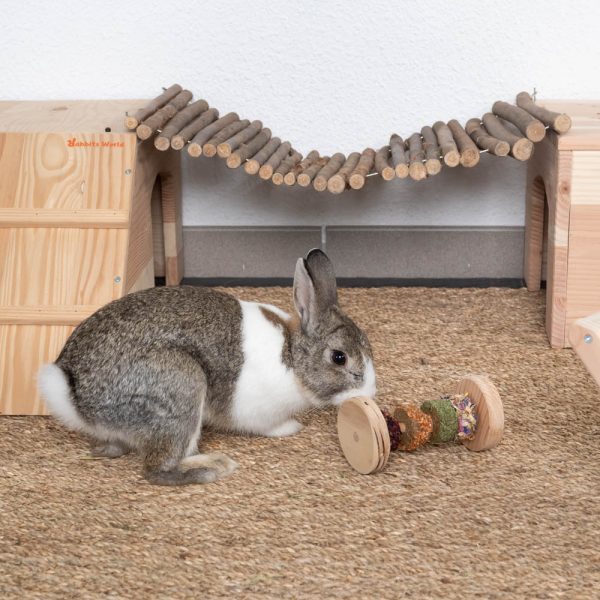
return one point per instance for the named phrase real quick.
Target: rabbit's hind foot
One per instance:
(112, 449)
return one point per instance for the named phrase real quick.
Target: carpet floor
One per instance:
(295, 521)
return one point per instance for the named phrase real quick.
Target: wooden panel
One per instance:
(585, 132)
(42, 170)
(61, 266)
(150, 166)
(535, 203)
(172, 220)
(67, 115)
(157, 231)
(584, 261)
(140, 249)
(584, 335)
(585, 187)
(30, 346)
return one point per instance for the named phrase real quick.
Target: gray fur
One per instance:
(147, 371)
(146, 367)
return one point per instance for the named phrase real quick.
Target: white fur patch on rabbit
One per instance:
(54, 387)
(267, 393)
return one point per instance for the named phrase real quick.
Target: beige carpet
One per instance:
(521, 521)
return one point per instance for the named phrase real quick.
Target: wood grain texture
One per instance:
(549, 173)
(77, 218)
(534, 232)
(585, 180)
(75, 233)
(47, 173)
(583, 269)
(67, 115)
(489, 411)
(71, 314)
(584, 335)
(30, 347)
(60, 266)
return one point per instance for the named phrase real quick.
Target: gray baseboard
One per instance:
(428, 254)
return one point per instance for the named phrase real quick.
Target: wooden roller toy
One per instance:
(473, 414)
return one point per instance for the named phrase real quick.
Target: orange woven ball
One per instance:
(416, 427)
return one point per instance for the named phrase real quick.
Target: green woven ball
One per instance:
(444, 418)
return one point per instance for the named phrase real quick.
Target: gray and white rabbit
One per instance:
(148, 370)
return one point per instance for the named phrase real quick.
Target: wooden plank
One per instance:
(153, 170)
(157, 231)
(61, 267)
(534, 231)
(584, 262)
(30, 346)
(585, 131)
(559, 205)
(43, 171)
(45, 315)
(67, 115)
(584, 335)
(77, 218)
(139, 246)
(585, 182)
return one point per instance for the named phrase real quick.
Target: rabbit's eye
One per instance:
(338, 357)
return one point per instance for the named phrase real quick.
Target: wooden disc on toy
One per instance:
(382, 433)
(363, 435)
(489, 411)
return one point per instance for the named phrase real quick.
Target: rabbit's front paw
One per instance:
(286, 429)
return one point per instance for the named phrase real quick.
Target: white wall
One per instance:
(336, 76)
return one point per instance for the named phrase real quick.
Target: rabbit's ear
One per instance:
(314, 288)
(321, 272)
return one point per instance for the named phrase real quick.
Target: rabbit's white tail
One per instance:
(54, 387)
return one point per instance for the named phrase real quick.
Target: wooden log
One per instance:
(163, 140)
(206, 133)
(447, 145)
(363, 168)
(468, 150)
(179, 140)
(533, 129)
(337, 183)
(287, 164)
(210, 147)
(382, 163)
(253, 164)
(156, 121)
(292, 176)
(433, 164)
(224, 149)
(398, 151)
(559, 122)
(250, 148)
(266, 171)
(416, 157)
(484, 140)
(131, 122)
(334, 164)
(520, 147)
(305, 178)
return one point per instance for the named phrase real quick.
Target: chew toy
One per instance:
(472, 414)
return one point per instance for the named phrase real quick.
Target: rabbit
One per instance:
(147, 371)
